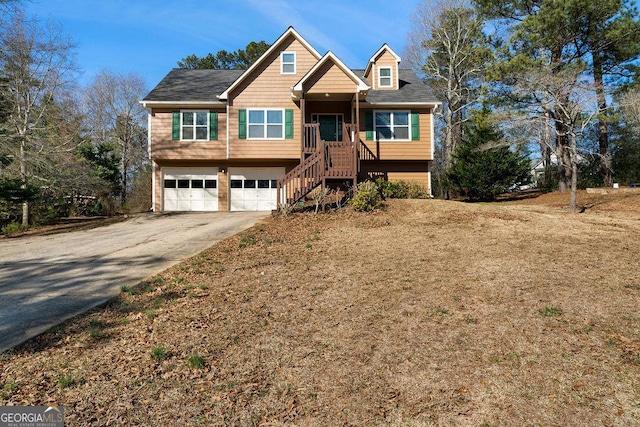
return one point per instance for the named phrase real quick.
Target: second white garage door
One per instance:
(190, 189)
(254, 189)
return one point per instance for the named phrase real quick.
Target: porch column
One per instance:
(357, 135)
(356, 138)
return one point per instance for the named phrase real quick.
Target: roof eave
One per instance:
(432, 104)
(179, 104)
(361, 85)
(375, 55)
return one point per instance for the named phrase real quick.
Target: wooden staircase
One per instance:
(325, 160)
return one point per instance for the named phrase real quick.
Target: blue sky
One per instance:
(148, 37)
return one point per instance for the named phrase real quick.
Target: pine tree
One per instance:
(484, 166)
(223, 60)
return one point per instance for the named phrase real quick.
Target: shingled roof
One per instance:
(186, 85)
(412, 90)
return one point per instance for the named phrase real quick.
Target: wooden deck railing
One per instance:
(301, 179)
(364, 153)
(311, 137)
(339, 160)
(349, 132)
(328, 160)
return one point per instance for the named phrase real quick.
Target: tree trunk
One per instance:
(564, 157)
(545, 152)
(603, 126)
(123, 190)
(546, 163)
(448, 136)
(23, 176)
(574, 173)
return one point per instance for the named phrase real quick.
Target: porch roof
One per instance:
(359, 83)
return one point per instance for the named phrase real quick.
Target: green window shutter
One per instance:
(368, 125)
(175, 126)
(415, 126)
(213, 125)
(288, 124)
(242, 124)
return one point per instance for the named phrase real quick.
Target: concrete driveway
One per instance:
(47, 279)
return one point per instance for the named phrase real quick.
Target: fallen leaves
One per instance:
(397, 316)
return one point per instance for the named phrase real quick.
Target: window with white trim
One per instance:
(288, 63)
(392, 125)
(384, 77)
(194, 125)
(265, 124)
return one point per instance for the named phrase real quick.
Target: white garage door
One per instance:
(190, 189)
(254, 189)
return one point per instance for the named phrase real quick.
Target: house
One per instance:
(295, 120)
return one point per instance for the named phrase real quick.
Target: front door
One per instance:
(330, 126)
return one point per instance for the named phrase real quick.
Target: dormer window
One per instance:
(288, 63)
(384, 77)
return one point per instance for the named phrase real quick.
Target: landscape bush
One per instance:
(417, 191)
(12, 228)
(366, 197)
(401, 189)
(392, 189)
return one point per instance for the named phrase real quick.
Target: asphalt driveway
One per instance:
(47, 279)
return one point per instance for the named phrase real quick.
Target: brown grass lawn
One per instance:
(424, 313)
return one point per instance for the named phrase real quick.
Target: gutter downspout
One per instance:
(433, 143)
(153, 163)
(227, 107)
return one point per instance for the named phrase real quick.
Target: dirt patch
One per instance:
(425, 313)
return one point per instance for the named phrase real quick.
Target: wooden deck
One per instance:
(322, 161)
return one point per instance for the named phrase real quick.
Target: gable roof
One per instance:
(378, 52)
(188, 86)
(290, 32)
(329, 56)
(412, 90)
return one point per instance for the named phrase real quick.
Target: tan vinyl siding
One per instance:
(164, 148)
(223, 189)
(329, 78)
(267, 88)
(419, 177)
(158, 189)
(272, 149)
(406, 150)
(385, 59)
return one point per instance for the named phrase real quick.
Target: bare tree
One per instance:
(114, 115)
(36, 67)
(564, 104)
(448, 46)
(630, 104)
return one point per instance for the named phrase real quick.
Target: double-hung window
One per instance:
(266, 124)
(194, 125)
(288, 63)
(392, 125)
(384, 77)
